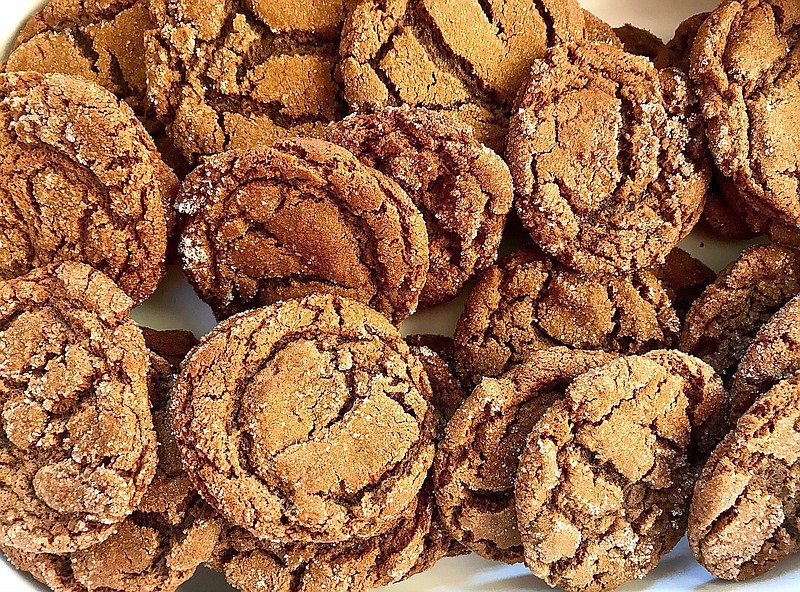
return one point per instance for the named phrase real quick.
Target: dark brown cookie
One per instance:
(469, 58)
(596, 30)
(77, 446)
(82, 181)
(463, 190)
(639, 41)
(744, 516)
(268, 224)
(746, 68)
(306, 421)
(172, 345)
(242, 74)
(725, 318)
(597, 198)
(605, 479)
(527, 302)
(677, 51)
(684, 278)
(726, 213)
(476, 463)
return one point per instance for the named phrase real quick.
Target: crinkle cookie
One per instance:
(744, 516)
(746, 65)
(469, 58)
(476, 463)
(723, 321)
(605, 479)
(608, 158)
(82, 181)
(684, 278)
(306, 421)
(596, 30)
(639, 41)
(527, 302)
(172, 345)
(160, 545)
(463, 189)
(305, 216)
(677, 51)
(228, 75)
(77, 446)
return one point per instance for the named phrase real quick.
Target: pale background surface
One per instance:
(176, 306)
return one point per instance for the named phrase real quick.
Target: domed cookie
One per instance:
(306, 421)
(746, 66)
(305, 216)
(744, 516)
(596, 30)
(677, 51)
(463, 190)
(639, 41)
(608, 159)
(77, 446)
(476, 463)
(82, 181)
(725, 318)
(527, 302)
(466, 57)
(605, 479)
(684, 278)
(242, 74)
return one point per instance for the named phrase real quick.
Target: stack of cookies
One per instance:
(323, 172)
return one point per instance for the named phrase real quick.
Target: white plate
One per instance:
(176, 306)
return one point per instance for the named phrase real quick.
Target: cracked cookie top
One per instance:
(306, 421)
(242, 73)
(463, 189)
(746, 66)
(744, 517)
(82, 181)
(527, 302)
(608, 158)
(684, 278)
(77, 447)
(638, 41)
(305, 216)
(466, 57)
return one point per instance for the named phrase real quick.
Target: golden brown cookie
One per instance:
(677, 51)
(463, 189)
(725, 318)
(639, 41)
(527, 302)
(476, 463)
(172, 345)
(306, 421)
(744, 515)
(596, 30)
(684, 278)
(228, 75)
(77, 446)
(466, 57)
(600, 199)
(605, 479)
(305, 216)
(82, 181)
(746, 66)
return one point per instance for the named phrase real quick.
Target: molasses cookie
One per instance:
(600, 199)
(172, 345)
(744, 515)
(267, 224)
(82, 181)
(241, 74)
(639, 41)
(684, 278)
(527, 302)
(596, 30)
(463, 190)
(77, 446)
(605, 479)
(306, 421)
(466, 57)
(723, 321)
(677, 51)
(476, 463)
(746, 66)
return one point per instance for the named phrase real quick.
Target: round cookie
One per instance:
(684, 278)
(744, 515)
(746, 66)
(305, 216)
(723, 321)
(677, 51)
(605, 479)
(306, 421)
(598, 199)
(639, 41)
(463, 190)
(466, 57)
(77, 446)
(172, 345)
(596, 30)
(527, 302)
(476, 463)
(242, 74)
(82, 181)
(156, 548)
